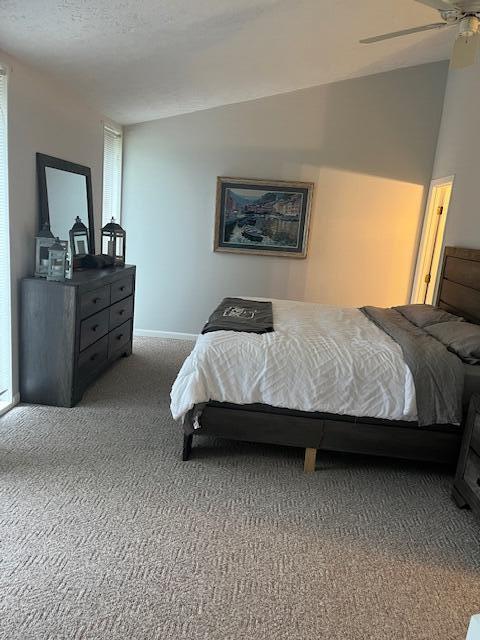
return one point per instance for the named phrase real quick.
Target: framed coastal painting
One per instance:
(267, 217)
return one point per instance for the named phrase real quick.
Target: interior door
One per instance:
(431, 244)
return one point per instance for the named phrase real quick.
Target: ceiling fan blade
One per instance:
(467, 6)
(404, 32)
(440, 5)
(465, 52)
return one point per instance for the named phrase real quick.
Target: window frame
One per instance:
(112, 175)
(6, 343)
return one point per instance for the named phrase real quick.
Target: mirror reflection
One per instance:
(67, 199)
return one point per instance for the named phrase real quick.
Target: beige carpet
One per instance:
(106, 534)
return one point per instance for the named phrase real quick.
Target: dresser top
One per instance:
(90, 278)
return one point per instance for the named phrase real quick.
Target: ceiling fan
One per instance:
(464, 14)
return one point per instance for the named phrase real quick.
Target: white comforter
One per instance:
(319, 358)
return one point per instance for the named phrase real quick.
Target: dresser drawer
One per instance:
(93, 328)
(475, 439)
(92, 357)
(472, 473)
(119, 337)
(121, 289)
(93, 301)
(120, 312)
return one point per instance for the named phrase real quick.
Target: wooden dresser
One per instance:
(466, 488)
(72, 331)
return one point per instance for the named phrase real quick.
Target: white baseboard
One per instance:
(169, 335)
(6, 407)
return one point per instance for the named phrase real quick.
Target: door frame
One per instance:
(432, 241)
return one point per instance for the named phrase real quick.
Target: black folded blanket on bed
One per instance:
(237, 314)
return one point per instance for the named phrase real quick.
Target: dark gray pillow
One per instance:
(423, 315)
(462, 338)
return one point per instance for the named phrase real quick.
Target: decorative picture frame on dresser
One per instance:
(43, 241)
(466, 487)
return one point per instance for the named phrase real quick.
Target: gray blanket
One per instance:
(237, 314)
(437, 374)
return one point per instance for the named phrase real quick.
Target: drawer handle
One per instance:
(121, 288)
(121, 312)
(94, 357)
(95, 300)
(120, 336)
(95, 327)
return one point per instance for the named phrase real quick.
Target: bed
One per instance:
(402, 437)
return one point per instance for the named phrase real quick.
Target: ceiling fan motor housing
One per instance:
(451, 16)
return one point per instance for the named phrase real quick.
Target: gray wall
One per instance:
(42, 117)
(368, 144)
(458, 155)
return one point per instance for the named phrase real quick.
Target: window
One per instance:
(5, 306)
(112, 175)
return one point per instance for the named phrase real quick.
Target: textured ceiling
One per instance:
(145, 59)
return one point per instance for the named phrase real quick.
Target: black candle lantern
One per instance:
(113, 242)
(79, 238)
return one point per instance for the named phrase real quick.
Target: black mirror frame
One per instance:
(44, 161)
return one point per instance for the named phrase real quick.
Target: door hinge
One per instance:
(440, 210)
(428, 277)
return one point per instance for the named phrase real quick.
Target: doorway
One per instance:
(431, 243)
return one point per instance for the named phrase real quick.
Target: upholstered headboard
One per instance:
(459, 289)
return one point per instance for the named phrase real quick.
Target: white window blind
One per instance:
(5, 307)
(112, 175)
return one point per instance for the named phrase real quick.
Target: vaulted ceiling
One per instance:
(138, 60)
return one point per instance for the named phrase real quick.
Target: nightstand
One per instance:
(466, 488)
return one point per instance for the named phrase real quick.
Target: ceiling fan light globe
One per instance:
(465, 51)
(468, 27)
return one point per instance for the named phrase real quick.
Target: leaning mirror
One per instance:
(65, 193)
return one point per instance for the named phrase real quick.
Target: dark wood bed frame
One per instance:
(458, 292)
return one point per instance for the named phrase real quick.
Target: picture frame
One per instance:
(263, 217)
(42, 245)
